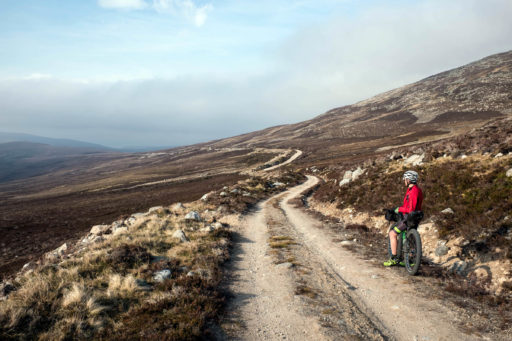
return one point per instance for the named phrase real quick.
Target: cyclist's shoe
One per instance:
(402, 263)
(391, 262)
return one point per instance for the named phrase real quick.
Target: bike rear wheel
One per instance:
(412, 252)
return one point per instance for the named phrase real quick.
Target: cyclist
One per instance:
(412, 202)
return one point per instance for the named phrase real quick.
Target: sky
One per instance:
(177, 72)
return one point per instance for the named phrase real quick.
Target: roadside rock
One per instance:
(223, 194)
(509, 173)
(178, 206)
(99, 229)
(205, 197)
(441, 250)
(447, 211)
(278, 184)
(61, 249)
(162, 275)
(217, 225)
(120, 230)
(156, 208)
(28, 266)
(346, 243)
(414, 160)
(193, 215)
(208, 228)
(344, 182)
(357, 173)
(498, 155)
(285, 265)
(180, 235)
(199, 272)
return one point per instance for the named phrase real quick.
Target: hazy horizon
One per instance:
(178, 72)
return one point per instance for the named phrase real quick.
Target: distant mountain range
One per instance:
(20, 137)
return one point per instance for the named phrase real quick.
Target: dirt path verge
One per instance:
(292, 280)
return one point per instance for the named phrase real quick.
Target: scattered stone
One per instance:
(180, 235)
(162, 275)
(346, 242)
(447, 211)
(28, 266)
(509, 173)
(347, 175)
(208, 228)
(193, 215)
(156, 208)
(344, 182)
(97, 239)
(278, 184)
(357, 173)
(375, 276)
(285, 265)
(120, 230)
(178, 206)
(498, 155)
(223, 194)
(217, 225)
(463, 156)
(61, 249)
(99, 229)
(441, 250)
(235, 191)
(205, 197)
(414, 160)
(138, 215)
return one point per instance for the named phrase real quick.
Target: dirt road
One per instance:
(292, 281)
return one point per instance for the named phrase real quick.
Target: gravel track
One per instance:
(341, 297)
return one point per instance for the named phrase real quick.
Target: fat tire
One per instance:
(413, 237)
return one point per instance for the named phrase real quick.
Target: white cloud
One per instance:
(196, 14)
(123, 4)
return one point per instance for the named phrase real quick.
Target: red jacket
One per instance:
(412, 200)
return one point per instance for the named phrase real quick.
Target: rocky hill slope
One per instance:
(436, 107)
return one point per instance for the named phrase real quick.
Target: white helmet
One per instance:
(412, 176)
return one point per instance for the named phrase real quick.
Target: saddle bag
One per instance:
(414, 218)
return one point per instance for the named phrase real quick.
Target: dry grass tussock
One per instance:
(94, 292)
(110, 288)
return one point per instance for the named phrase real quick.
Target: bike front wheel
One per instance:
(412, 252)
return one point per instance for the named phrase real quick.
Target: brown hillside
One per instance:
(436, 107)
